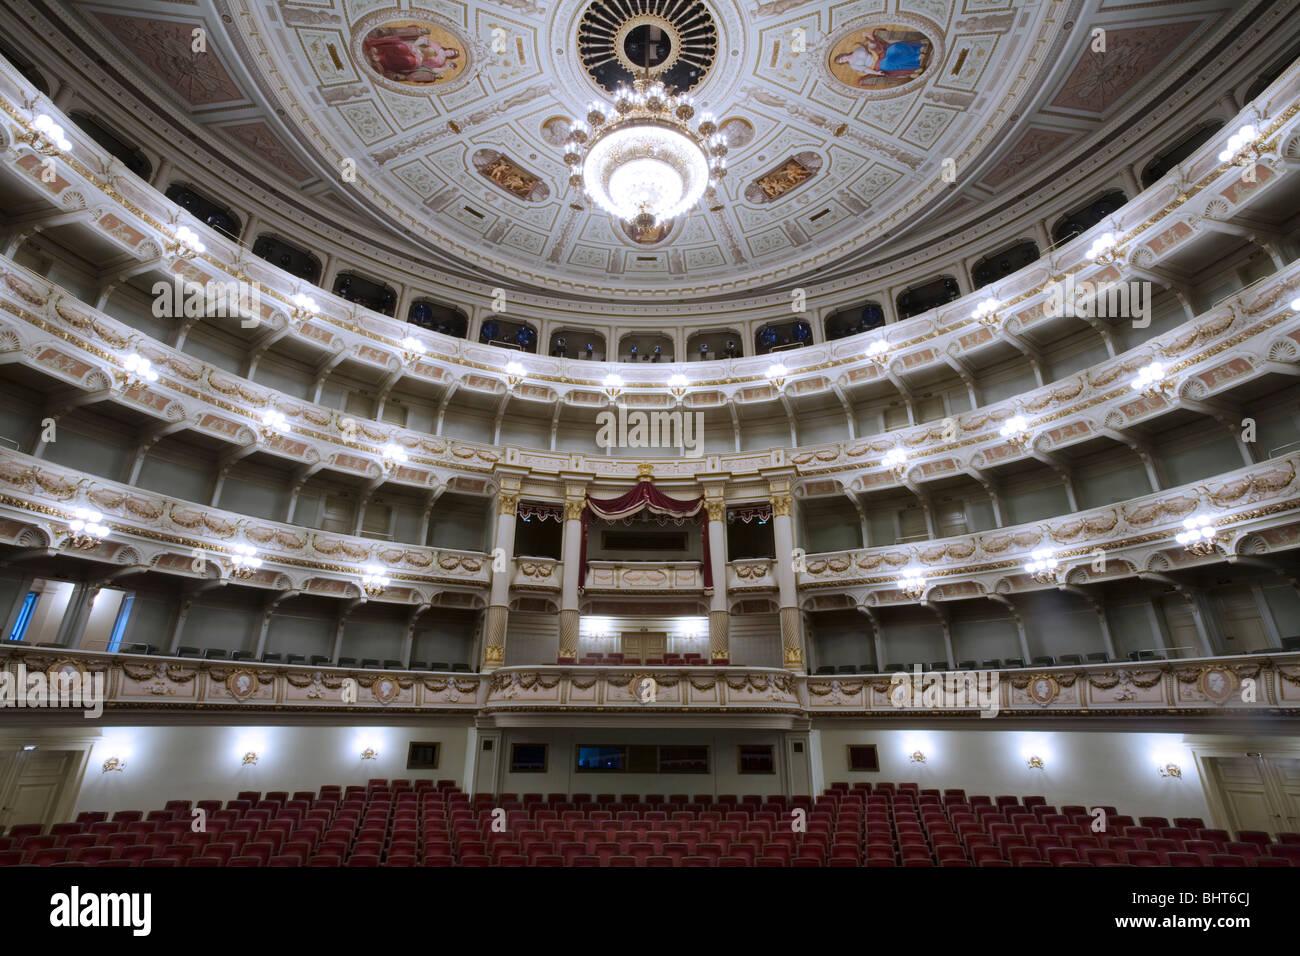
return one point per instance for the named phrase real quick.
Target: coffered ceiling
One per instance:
(442, 121)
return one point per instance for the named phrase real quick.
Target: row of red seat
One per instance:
(409, 823)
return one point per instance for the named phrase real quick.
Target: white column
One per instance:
(792, 655)
(494, 622)
(719, 607)
(569, 607)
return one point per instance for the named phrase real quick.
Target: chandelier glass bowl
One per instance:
(645, 159)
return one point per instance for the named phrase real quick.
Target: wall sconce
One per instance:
(412, 349)
(678, 386)
(917, 757)
(244, 562)
(274, 423)
(112, 764)
(373, 580)
(878, 353)
(986, 314)
(250, 758)
(777, 375)
(612, 387)
(46, 136)
(1105, 249)
(1244, 147)
(1170, 770)
(86, 529)
(138, 372)
(1043, 566)
(1016, 430)
(394, 455)
(912, 584)
(186, 244)
(1198, 536)
(1034, 762)
(370, 753)
(304, 307)
(514, 375)
(1151, 381)
(896, 460)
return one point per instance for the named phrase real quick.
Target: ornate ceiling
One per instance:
(840, 116)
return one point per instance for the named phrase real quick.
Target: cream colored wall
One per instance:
(206, 762)
(1089, 768)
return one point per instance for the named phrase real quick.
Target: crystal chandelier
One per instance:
(642, 159)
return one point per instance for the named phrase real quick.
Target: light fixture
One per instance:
(1243, 147)
(1295, 304)
(394, 455)
(514, 375)
(1151, 381)
(678, 386)
(896, 460)
(244, 562)
(612, 386)
(1170, 770)
(112, 764)
(986, 313)
(1104, 249)
(370, 753)
(373, 580)
(412, 349)
(250, 758)
(86, 528)
(47, 136)
(1198, 535)
(917, 757)
(1034, 762)
(186, 244)
(138, 372)
(777, 374)
(878, 353)
(641, 159)
(304, 306)
(912, 584)
(273, 423)
(1043, 566)
(1016, 430)
(29, 746)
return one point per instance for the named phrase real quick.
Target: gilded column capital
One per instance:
(717, 510)
(573, 509)
(508, 502)
(781, 506)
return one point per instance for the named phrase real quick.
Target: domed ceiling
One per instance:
(444, 120)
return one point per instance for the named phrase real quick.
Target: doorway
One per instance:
(1256, 792)
(39, 785)
(642, 646)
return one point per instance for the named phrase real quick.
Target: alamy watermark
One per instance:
(230, 299)
(64, 689)
(644, 429)
(1089, 300)
(951, 690)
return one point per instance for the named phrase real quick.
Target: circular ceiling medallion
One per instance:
(674, 41)
(880, 56)
(411, 53)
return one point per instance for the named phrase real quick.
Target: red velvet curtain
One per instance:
(644, 496)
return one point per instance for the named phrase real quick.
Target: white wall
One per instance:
(1088, 768)
(206, 762)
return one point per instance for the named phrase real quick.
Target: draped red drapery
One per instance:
(644, 496)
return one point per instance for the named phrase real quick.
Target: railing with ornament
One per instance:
(50, 330)
(1254, 510)
(644, 576)
(1206, 189)
(1242, 688)
(39, 503)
